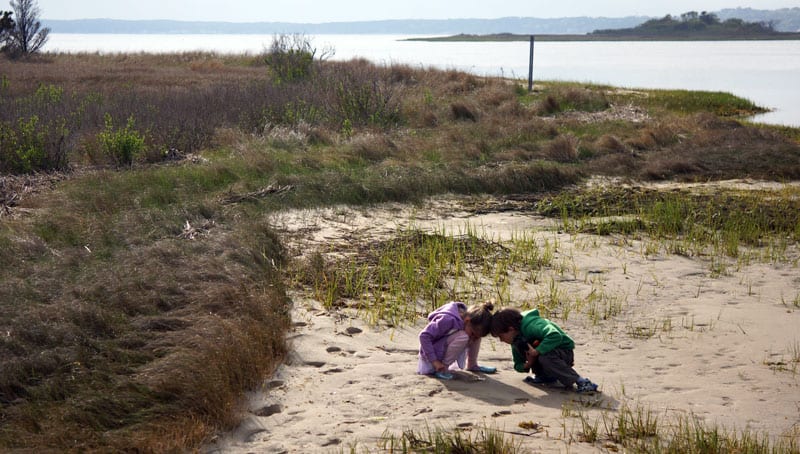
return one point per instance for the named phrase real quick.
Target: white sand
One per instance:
(685, 343)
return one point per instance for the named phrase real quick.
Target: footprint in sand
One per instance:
(331, 442)
(269, 410)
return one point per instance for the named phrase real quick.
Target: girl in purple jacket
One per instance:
(453, 334)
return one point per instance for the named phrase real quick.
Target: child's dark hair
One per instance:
(504, 319)
(480, 317)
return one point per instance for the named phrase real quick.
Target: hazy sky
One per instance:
(315, 11)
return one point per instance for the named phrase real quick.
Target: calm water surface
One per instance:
(766, 72)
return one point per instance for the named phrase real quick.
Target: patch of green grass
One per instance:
(688, 102)
(726, 221)
(443, 441)
(642, 430)
(403, 278)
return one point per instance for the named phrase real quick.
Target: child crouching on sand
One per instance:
(541, 345)
(454, 332)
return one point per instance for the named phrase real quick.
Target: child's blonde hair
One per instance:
(480, 317)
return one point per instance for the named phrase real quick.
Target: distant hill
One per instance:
(698, 26)
(786, 20)
(520, 25)
(783, 20)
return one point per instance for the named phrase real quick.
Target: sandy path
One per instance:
(684, 342)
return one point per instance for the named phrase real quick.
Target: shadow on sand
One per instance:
(494, 392)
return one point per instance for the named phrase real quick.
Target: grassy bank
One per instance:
(142, 283)
(511, 37)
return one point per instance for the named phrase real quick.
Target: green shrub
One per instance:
(290, 58)
(32, 145)
(121, 145)
(361, 99)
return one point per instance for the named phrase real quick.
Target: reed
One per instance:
(442, 440)
(725, 224)
(642, 430)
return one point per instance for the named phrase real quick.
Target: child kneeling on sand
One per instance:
(541, 345)
(454, 332)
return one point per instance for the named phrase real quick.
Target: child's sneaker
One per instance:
(443, 375)
(537, 380)
(586, 386)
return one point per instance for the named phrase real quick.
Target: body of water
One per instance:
(765, 72)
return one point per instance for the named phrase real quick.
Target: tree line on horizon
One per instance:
(694, 23)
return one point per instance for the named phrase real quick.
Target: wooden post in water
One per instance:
(530, 68)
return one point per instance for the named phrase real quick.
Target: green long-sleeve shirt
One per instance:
(550, 336)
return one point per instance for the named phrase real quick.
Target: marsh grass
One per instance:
(138, 303)
(642, 430)
(685, 101)
(744, 225)
(402, 278)
(632, 429)
(441, 440)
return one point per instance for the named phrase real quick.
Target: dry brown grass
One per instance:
(148, 346)
(608, 143)
(562, 149)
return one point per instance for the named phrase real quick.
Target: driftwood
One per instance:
(9, 195)
(13, 188)
(191, 232)
(255, 195)
(7, 200)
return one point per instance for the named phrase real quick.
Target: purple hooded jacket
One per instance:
(441, 323)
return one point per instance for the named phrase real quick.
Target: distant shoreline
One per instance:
(511, 37)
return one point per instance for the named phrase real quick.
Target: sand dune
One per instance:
(682, 341)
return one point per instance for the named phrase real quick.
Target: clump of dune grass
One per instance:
(608, 143)
(390, 281)
(398, 280)
(441, 440)
(643, 430)
(562, 149)
(725, 222)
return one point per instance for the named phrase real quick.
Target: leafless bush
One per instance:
(495, 94)
(608, 143)
(667, 167)
(613, 164)
(185, 117)
(403, 74)
(563, 148)
(372, 147)
(463, 112)
(547, 106)
(644, 141)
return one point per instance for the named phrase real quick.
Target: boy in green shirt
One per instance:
(541, 345)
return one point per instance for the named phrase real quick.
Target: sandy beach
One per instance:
(682, 342)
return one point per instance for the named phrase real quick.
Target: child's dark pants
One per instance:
(557, 364)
